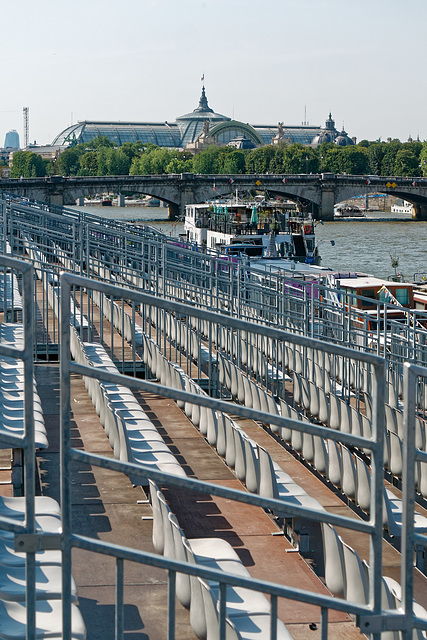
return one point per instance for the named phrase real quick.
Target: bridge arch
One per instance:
(316, 193)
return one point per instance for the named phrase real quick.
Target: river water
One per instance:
(364, 245)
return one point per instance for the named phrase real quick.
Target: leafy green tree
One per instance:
(415, 146)
(206, 161)
(152, 160)
(68, 163)
(175, 166)
(276, 162)
(182, 162)
(49, 167)
(232, 161)
(390, 152)
(134, 167)
(112, 162)
(260, 160)
(160, 160)
(132, 149)
(375, 153)
(100, 141)
(406, 163)
(89, 164)
(423, 159)
(27, 165)
(300, 159)
(119, 163)
(18, 164)
(354, 160)
(331, 159)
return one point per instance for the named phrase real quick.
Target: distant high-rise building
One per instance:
(11, 140)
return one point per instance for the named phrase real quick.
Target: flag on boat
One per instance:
(214, 185)
(388, 296)
(254, 216)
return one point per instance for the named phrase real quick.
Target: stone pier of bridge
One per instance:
(314, 193)
(419, 212)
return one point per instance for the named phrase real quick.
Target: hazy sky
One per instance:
(263, 61)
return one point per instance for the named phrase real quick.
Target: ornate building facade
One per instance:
(200, 128)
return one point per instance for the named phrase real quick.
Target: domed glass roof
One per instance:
(343, 140)
(188, 127)
(191, 124)
(323, 136)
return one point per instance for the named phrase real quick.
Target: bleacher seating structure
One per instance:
(48, 570)
(322, 390)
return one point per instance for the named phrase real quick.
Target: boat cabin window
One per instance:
(367, 293)
(402, 296)
(250, 250)
(352, 297)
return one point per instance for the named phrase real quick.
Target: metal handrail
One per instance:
(373, 527)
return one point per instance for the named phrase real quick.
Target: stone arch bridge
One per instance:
(316, 193)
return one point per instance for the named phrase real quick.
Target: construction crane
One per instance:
(26, 126)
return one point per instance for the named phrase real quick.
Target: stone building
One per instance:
(200, 128)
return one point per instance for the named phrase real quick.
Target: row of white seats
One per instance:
(77, 318)
(347, 577)
(186, 335)
(10, 297)
(245, 390)
(318, 364)
(252, 464)
(394, 423)
(48, 577)
(256, 352)
(330, 409)
(354, 373)
(333, 460)
(248, 612)
(12, 416)
(307, 395)
(120, 320)
(62, 256)
(328, 457)
(41, 263)
(132, 435)
(252, 395)
(338, 414)
(253, 348)
(42, 266)
(393, 457)
(346, 471)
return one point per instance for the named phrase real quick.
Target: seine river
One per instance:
(359, 245)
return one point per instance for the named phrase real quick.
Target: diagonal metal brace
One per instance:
(33, 542)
